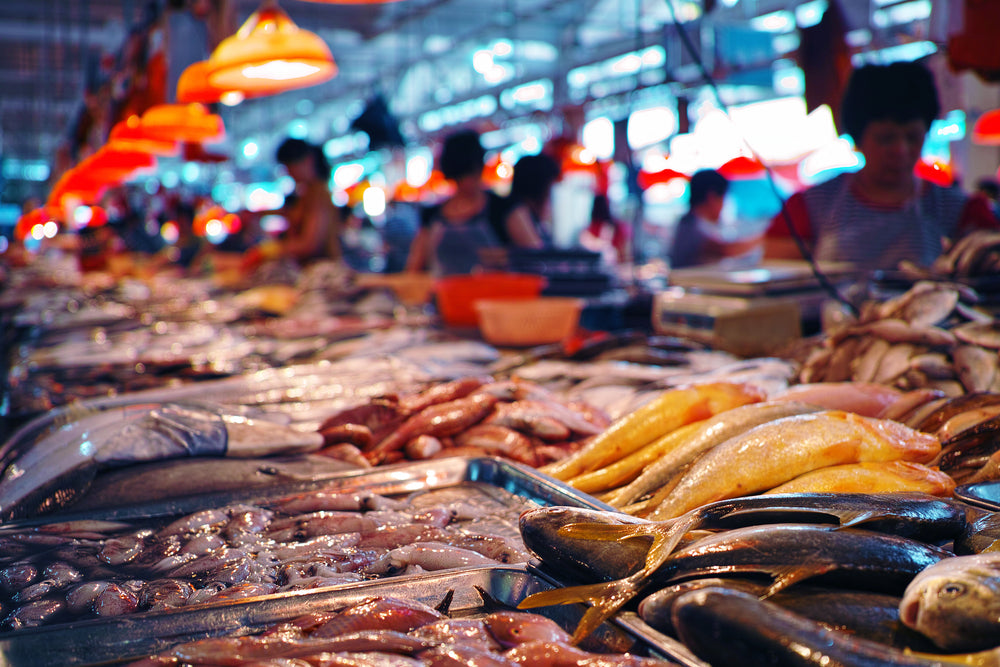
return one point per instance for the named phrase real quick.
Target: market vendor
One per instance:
(461, 234)
(882, 214)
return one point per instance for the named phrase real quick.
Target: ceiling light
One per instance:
(270, 54)
(194, 86)
(129, 135)
(182, 122)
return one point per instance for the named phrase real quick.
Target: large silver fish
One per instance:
(53, 467)
(956, 603)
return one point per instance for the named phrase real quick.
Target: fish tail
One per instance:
(666, 536)
(605, 598)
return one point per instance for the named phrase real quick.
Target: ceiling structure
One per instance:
(417, 53)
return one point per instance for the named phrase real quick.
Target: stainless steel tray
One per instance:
(128, 638)
(387, 480)
(983, 494)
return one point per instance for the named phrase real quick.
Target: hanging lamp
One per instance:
(986, 130)
(937, 172)
(194, 86)
(129, 135)
(182, 122)
(270, 54)
(742, 168)
(107, 163)
(648, 179)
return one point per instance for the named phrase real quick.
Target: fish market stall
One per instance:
(247, 483)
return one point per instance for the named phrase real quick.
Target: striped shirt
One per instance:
(843, 227)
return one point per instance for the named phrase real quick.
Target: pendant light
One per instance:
(270, 54)
(742, 168)
(194, 86)
(129, 135)
(182, 122)
(986, 131)
(648, 179)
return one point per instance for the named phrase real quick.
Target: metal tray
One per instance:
(127, 638)
(387, 480)
(983, 494)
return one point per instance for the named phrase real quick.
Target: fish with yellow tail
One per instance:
(728, 627)
(668, 411)
(635, 551)
(781, 450)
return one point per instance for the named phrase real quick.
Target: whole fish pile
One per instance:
(59, 572)
(707, 442)
(844, 579)
(393, 631)
(469, 416)
(931, 336)
(973, 256)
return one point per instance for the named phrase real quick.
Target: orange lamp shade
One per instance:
(130, 135)
(182, 122)
(194, 86)
(647, 179)
(742, 168)
(78, 184)
(270, 54)
(986, 130)
(107, 161)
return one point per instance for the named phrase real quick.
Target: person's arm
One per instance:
(316, 217)
(419, 254)
(521, 229)
(778, 240)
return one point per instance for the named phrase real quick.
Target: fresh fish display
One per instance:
(727, 627)
(872, 616)
(956, 603)
(982, 534)
(472, 415)
(308, 540)
(391, 631)
(873, 477)
(50, 470)
(780, 450)
(558, 538)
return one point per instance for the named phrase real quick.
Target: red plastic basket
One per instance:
(457, 295)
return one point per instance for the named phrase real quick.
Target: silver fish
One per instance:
(956, 602)
(48, 468)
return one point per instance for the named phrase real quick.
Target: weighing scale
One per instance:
(750, 312)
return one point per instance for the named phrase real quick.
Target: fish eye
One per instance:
(952, 590)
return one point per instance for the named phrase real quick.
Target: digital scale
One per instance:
(749, 312)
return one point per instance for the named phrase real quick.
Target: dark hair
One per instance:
(461, 155)
(900, 92)
(989, 187)
(704, 183)
(292, 150)
(533, 178)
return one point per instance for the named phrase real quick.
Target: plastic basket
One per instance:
(412, 289)
(457, 295)
(521, 322)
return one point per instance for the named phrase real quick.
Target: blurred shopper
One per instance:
(313, 221)
(698, 238)
(528, 223)
(461, 234)
(883, 214)
(605, 233)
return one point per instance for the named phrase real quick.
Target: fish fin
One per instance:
(789, 575)
(606, 598)
(603, 532)
(666, 537)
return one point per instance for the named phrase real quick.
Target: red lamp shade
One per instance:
(935, 171)
(270, 54)
(986, 130)
(742, 168)
(648, 179)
